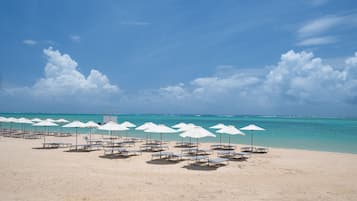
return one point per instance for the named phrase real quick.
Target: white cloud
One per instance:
(75, 38)
(317, 41)
(62, 78)
(29, 42)
(298, 83)
(352, 61)
(319, 25)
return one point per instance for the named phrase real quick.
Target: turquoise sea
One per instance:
(324, 134)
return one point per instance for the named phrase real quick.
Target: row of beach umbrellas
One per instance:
(186, 129)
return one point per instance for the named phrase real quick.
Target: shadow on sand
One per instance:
(161, 162)
(200, 167)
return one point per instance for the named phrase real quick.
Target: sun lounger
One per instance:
(196, 151)
(53, 145)
(198, 159)
(247, 149)
(261, 150)
(233, 154)
(217, 161)
(130, 152)
(185, 144)
(153, 148)
(178, 157)
(80, 147)
(32, 136)
(161, 154)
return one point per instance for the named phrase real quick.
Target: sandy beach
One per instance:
(34, 174)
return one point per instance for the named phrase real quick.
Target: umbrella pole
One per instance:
(220, 139)
(251, 141)
(76, 138)
(112, 141)
(44, 140)
(229, 141)
(196, 149)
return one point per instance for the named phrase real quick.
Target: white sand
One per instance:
(282, 174)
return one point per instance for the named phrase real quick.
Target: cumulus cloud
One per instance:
(63, 78)
(297, 83)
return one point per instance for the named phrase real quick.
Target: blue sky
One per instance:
(211, 57)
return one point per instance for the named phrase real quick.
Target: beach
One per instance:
(32, 174)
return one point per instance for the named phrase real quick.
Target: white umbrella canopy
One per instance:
(179, 125)
(197, 132)
(12, 120)
(218, 126)
(91, 124)
(45, 124)
(145, 126)
(61, 121)
(3, 119)
(51, 120)
(252, 127)
(113, 126)
(231, 130)
(186, 127)
(36, 120)
(161, 128)
(128, 124)
(75, 124)
(24, 121)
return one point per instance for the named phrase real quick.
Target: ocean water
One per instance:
(323, 134)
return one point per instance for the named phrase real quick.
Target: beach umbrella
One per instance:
(179, 125)
(230, 130)
(145, 126)
(91, 125)
(112, 126)
(76, 125)
(161, 128)
(253, 128)
(61, 121)
(3, 120)
(197, 132)
(219, 126)
(51, 120)
(45, 124)
(11, 120)
(128, 124)
(185, 128)
(24, 121)
(36, 120)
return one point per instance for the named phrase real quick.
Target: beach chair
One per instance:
(217, 162)
(233, 155)
(261, 150)
(161, 155)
